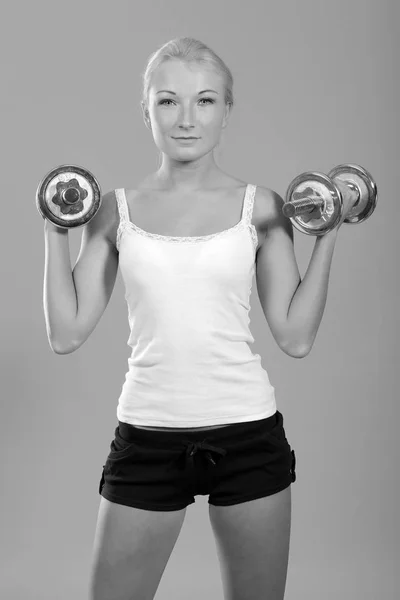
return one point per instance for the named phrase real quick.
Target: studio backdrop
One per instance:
(315, 85)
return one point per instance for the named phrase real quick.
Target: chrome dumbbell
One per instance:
(314, 201)
(68, 196)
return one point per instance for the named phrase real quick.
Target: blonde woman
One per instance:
(197, 413)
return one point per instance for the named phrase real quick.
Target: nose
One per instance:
(186, 120)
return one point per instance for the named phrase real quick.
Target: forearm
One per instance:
(308, 303)
(59, 294)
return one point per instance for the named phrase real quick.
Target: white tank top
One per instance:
(188, 309)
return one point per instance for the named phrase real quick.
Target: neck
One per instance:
(187, 176)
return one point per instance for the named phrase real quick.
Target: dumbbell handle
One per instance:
(302, 206)
(307, 205)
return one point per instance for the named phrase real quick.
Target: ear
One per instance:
(146, 116)
(226, 115)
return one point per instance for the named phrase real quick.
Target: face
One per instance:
(186, 112)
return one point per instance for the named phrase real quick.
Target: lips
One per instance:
(185, 138)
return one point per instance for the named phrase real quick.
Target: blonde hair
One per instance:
(187, 50)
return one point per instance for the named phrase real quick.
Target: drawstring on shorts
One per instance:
(193, 447)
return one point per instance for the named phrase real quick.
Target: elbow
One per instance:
(300, 352)
(58, 350)
(296, 351)
(295, 346)
(64, 349)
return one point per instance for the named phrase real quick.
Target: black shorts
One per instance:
(162, 470)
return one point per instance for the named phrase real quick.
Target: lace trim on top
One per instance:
(125, 221)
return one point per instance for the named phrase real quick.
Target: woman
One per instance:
(197, 412)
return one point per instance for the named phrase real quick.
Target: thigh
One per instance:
(252, 540)
(131, 550)
(259, 462)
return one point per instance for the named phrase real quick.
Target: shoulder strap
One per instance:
(249, 203)
(122, 205)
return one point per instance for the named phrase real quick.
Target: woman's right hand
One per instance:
(52, 228)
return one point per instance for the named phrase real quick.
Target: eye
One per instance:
(201, 100)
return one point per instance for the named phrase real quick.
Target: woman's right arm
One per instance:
(59, 294)
(74, 300)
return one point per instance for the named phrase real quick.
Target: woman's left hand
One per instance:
(348, 203)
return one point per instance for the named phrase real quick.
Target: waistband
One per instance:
(245, 429)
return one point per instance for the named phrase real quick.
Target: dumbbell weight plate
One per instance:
(313, 183)
(358, 176)
(68, 196)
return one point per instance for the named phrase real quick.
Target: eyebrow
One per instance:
(174, 93)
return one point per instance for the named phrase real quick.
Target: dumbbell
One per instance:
(68, 196)
(314, 201)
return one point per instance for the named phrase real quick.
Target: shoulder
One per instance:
(106, 218)
(268, 198)
(109, 205)
(270, 204)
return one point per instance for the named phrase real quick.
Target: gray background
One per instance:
(315, 85)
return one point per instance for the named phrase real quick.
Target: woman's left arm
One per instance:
(293, 306)
(308, 303)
